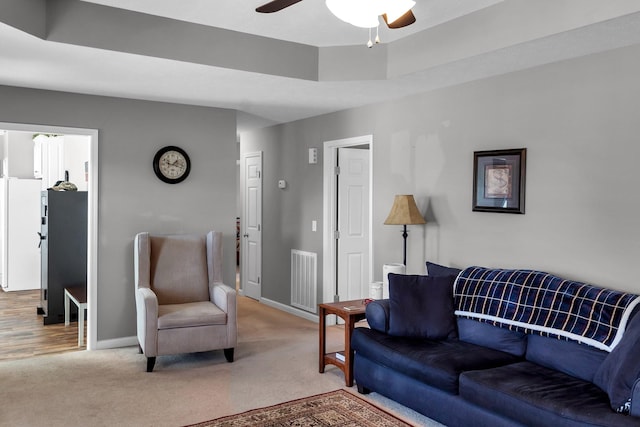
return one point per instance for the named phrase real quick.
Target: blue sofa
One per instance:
(495, 347)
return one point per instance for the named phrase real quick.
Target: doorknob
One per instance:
(245, 235)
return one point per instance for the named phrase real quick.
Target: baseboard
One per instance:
(292, 310)
(131, 341)
(116, 343)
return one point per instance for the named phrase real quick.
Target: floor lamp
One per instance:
(404, 212)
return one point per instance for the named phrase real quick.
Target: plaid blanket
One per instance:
(536, 302)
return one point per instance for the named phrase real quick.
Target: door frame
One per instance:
(330, 206)
(243, 223)
(92, 216)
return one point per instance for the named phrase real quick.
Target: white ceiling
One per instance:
(263, 99)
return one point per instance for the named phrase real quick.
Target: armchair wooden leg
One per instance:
(151, 362)
(228, 354)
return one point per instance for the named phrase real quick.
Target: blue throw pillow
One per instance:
(421, 306)
(621, 368)
(441, 270)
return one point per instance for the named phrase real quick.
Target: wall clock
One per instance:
(171, 164)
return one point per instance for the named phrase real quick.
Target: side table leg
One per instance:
(348, 354)
(322, 344)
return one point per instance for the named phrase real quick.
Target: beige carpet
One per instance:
(276, 361)
(334, 409)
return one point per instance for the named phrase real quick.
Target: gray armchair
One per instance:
(181, 303)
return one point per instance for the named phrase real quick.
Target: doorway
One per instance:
(347, 202)
(251, 224)
(91, 173)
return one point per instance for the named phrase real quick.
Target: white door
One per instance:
(251, 225)
(353, 223)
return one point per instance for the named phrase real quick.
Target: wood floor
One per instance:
(22, 333)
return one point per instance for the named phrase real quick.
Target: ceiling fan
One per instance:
(407, 18)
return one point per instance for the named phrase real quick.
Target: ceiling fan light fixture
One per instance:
(394, 9)
(359, 13)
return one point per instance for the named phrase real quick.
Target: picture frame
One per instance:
(499, 180)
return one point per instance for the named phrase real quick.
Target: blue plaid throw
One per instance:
(536, 302)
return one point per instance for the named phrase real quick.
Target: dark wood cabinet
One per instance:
(63, 249)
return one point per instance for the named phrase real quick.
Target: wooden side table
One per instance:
(351, 312)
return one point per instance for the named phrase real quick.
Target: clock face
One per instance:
(171, 164)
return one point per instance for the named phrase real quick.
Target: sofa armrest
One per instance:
(635, 399)
(377, 313)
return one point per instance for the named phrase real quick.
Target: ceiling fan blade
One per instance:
(406, 19)
(276, 5)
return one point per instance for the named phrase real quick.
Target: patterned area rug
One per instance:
(336, 409)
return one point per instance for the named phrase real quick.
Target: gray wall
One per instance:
(131, 198)
(579, 121)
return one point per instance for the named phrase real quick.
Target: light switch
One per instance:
(314, 225)
(282, 184)
(313, 156)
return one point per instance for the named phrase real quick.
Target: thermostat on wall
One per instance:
(282, 184)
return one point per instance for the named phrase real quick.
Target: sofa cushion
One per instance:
(537, 396)
(571, 357)
(434, 269)
(437, 363)
(421, 306)
(621, 368)
(495, 337)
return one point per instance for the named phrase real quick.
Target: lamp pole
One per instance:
(404, 235)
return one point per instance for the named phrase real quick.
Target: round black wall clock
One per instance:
(171, 164)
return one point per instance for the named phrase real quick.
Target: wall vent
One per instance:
(304, 280)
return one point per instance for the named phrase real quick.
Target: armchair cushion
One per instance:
(179, 269)
(190, 315)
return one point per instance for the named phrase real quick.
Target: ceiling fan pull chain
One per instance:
(369, 43)
(377, 35)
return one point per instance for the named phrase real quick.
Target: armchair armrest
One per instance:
(377, 313)
(225, 297)
(147, 320)
(635, 399)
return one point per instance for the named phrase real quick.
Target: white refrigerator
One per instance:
(19, 233)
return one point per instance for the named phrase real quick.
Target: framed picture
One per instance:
(499, 180)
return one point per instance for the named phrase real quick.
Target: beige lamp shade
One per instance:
(404, 211)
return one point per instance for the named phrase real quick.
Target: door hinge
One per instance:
(336, 234)
(258, 280)
(258, 227)
(337, 170)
